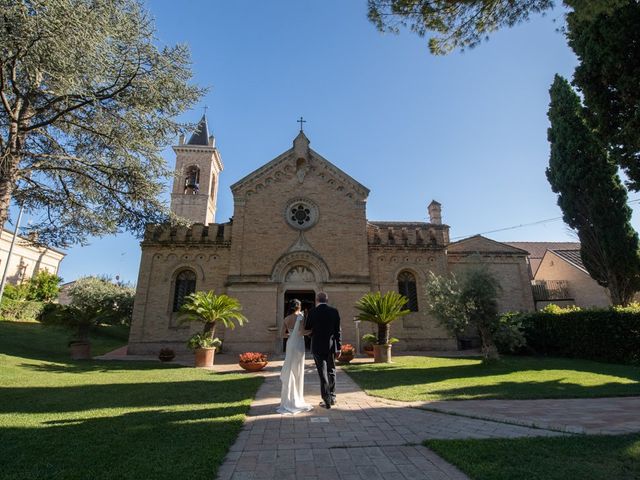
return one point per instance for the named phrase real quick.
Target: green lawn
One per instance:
(436, 378)
(558, 458)
(103, 420)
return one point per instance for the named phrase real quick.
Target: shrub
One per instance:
(201, 340)
(44, 286)
(369, 338)
(20, 310)
(508, 333)
(16, 292)
(553, 308)
(608, 335)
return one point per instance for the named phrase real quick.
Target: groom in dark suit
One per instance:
(324, 323)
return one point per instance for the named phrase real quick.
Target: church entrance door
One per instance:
(308, 299)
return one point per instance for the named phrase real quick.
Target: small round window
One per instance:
(301, 214)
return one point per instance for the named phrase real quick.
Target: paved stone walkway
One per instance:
(361, 438)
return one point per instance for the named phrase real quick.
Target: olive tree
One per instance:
(471, 300)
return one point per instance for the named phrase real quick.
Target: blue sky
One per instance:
(467, 129)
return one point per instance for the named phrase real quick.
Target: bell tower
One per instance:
(195, 185)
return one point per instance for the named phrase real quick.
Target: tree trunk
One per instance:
(8, 172)
(209, 329)
(11, 155)
(489, 349)
(383, 333)
(83, 332)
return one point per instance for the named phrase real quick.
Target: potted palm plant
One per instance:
(204, 348)
(382, 310)
(210, 309)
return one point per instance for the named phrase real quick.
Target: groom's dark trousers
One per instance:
(327, 370)
(324, 323)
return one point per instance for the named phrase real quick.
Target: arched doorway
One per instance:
(299, 274)
(299, 282)
(308, 300)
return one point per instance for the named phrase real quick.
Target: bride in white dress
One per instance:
(292, 373)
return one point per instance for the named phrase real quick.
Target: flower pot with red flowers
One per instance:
(347, 352)
(166, 355)
(253, 361)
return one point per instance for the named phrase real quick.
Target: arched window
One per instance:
(407, 287)
(192, 180)
(185, 285)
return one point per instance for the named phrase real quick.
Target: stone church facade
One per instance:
(299, 226)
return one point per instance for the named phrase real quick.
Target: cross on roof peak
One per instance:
(301, 121)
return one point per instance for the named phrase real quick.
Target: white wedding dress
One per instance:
(292, 373)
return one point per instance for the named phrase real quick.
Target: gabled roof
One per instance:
(572, 257)
(480, 244)
(538, 249)
(300, 144)
(201, 134)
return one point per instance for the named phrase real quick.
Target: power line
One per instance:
(539, 222)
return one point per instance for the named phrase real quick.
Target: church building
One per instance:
(299, 226)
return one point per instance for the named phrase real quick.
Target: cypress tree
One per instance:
(608, 75)
(592, 197)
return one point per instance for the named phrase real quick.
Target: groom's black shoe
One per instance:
(326, 405)
(333, 401)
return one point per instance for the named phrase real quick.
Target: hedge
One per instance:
(602, 335)
(20, 310)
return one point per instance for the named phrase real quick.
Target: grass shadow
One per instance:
(513, 377)
(78, 398)
(96, 366)
(156, 444)
(35, 341)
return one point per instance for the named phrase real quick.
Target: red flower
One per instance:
(253, 357)
(347, 349)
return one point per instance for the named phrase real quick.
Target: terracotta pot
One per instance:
(253, 366)
(204, 357)
(345, 358)
(382, 353)
(80, 351)
(369, 352)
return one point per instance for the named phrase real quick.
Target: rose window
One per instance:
(301, 214)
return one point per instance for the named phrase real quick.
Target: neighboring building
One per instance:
(64, 296)
(299, 226)
(559, 276)
(27, 259)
